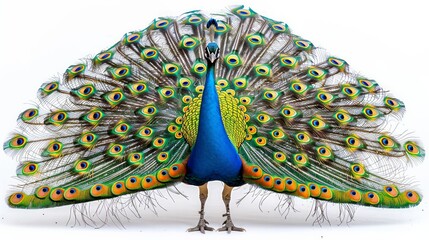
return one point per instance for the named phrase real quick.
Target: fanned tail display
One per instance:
(127, 120)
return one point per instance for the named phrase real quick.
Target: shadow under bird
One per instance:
(236, 98)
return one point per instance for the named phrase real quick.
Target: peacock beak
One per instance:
(212, 57)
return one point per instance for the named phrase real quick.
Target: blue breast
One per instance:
(213, 157)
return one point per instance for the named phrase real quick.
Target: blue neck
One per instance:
(213, 156)
(210, 124)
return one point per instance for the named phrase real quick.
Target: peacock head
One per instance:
(212, 52)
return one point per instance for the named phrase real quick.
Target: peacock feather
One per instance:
(233, 96)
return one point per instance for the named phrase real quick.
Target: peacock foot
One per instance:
(202, 226)
(229, 226)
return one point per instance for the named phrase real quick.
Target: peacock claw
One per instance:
(202, 225)
(229, 226)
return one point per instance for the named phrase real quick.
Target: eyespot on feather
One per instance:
(29, 114)
(57, 194)
(290, 62)
(358, 171)
(121, 129)
(162, 157)
(371, 198)
(369, 85)
(148, 111)
(251, 171)
(279, 184)
(135, 158)
(262, 70)
(159, 142)
(118, 188)
(260, 141)
(102, 57)
(94, 116)
(131, 38)
(137, 88)
(411, 197)
(300, 159)
(326, 193)
(318, 123)
(133, 183)
(266, 181)
(84, 92)
(82, 167)
(413, 150)
(354, 195)
(303, 138)
(115, 97)
(185, 82)
(303, 191)
(278, 134)
(350, 91)
(325, 98)
(178, 135)
(30, 169)
(233, 60)
(290, 185)
(177, 170)
(17, 198)
(314, 190)
(49, 88)
(252, 129)
(279, 157)
(371, 113)
(289, 113)
(99, 190)
(87, 140)
(393, 103)
(162, 24)
(150, 182)
(166, 93)
(391, 190)
(75, 70)
(144, 133)
(42, 192)
(324, 153)
(199, 69)
(299, 88)
(353, 143)
(343, 117)
(149, 54)
(303, 45)
(57, 118)
(171, 69)
(264, 118)
(163, 176)
(116, 150)
(188, 42)
(316, 73)
(72, 193)
(54, 149)
(340, 64)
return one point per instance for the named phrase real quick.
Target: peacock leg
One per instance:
(202, 223)
(228, 225)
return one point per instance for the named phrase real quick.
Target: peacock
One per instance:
(232, 97)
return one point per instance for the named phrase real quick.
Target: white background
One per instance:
(384, 40)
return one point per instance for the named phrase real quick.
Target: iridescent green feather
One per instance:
(125, 121)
